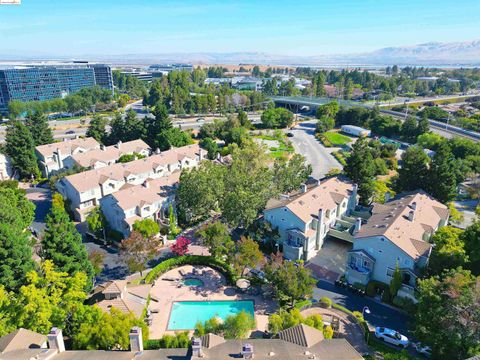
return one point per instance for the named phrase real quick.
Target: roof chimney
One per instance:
(55, 340)
(103, 147)
(414, 205)
(157, 151)
(319, 182)
(136, 341)
(247, 351)
(197, 347)
(411, 215)
(119, 144)
(146, 184)
(304, 188)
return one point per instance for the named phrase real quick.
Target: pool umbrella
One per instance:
(243, 284)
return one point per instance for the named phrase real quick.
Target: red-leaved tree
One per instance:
(181, 246)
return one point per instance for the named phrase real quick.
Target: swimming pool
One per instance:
(185, 314)
(193, 282)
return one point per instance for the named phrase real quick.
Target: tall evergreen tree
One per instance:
(134, 128)
(15, 245)
(97, 128)
(156, 128)
(360, 168)
(37, 123)
(414, 171)
(117, 129)
(442, 180)
(423, 125)
(62, 243)
(20, 147)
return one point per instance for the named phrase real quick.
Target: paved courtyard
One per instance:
(167, 290)
(330, 261)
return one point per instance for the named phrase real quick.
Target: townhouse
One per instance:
(51, 156)
(304, 220)
(396, 234)
(106, 155)
(150, 200)
(84, 190)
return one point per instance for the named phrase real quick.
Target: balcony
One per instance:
(292, 250)
(357, 274)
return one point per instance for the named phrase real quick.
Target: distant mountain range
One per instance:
(429, 54)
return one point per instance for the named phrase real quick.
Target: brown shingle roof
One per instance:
(302, 335)
(21, 339)
(68, 147)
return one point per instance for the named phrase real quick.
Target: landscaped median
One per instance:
(175, 262)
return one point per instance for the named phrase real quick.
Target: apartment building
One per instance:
(397, 234)
(150, 200)
(304, 220)
(51, 157)
(84, 190)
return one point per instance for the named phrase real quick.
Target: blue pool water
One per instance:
(193, 282)
(185, 314)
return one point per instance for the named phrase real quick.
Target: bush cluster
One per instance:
(375, 287)
(180, 340)
(172, 263)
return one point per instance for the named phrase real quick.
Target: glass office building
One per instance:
(44, 82)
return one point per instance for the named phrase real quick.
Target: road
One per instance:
(380, 314)
(316, 154)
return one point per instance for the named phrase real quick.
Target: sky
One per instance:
(298, 27)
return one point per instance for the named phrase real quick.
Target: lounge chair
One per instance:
(182, 272)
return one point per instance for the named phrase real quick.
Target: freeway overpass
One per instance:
(314, 102)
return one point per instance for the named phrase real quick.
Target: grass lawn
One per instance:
(337, 139)
(283, 150)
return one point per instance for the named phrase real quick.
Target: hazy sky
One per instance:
(308, 27)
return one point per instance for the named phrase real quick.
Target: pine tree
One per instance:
(97, 128)
(360, 168)
(134, 128)
(442, 182)
(37, 123)
(117, 129)
(62, 243)
(413, 173)
(423, 125)
(20, 147)
(156, 129)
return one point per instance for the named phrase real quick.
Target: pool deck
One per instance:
(165, 292)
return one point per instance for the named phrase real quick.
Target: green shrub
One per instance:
(326, 302)
(179, 340)
(375, 287)
(359, 286)
(358, 315)
(386, 297)
(302, 303)
(172, 263)
(327, 332)
(404, 303)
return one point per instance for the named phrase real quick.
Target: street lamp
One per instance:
(365, 310)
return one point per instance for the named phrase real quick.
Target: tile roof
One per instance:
(327, 195)
(21, 339)
(109, 153)
(392, 221)
(302, 335)
(68, 147)
(89, 179)
(132, 298)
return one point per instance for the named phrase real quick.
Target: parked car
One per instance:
(391, 336)
(200, 120)
(423, 349)
(70, 132)
(289, 134)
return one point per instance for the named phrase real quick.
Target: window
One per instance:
(390, 272)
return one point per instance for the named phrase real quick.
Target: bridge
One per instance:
(314, 102)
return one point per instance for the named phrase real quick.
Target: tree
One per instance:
(243, 119)
(16, 209)
(329, 110)
(471, 239)
(211, 146)
(97, 128)
(180, 247)
(360, 168)
(247, 254)
(200, 191)
(96, 258)
(409, 129)
(289, 175)
(413, 173)
(147, 227)
(37, 124)
(292, 282)
(136, 251)
(15, 109)
(96, 222)
(396, 282)
(106, 331)
(277, 118)
(62, 243)
(177, 138)
(117, 129)
(216, 238)
(238, 326)
(172, 222)
(48, 298)
(20, 147)
(442, 181)
(250, 185)
(448, 251)
(448, 314)
(324, 124)
(134, 128)
(156, 128)
(423, 126)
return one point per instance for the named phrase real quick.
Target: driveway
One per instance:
(42, 198)
(330, 261)
(380, 314)
(317, 155)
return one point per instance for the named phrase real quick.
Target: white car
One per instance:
(391, 336)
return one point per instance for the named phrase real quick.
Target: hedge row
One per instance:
(175, 262)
